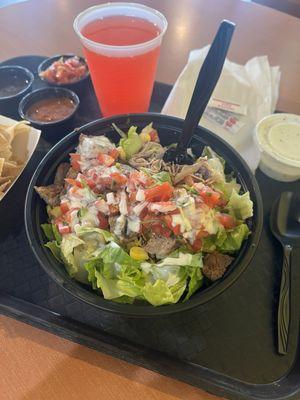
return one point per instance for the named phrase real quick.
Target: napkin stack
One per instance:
(243, 96)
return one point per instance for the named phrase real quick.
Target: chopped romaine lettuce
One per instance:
(68, 244)
(161, 283)
(54, 247)
(240, 206)
(234, 239)
(131, 144)
(210, 153)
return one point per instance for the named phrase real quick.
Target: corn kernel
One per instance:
(145, 137)
(122, 153)
(138, 253)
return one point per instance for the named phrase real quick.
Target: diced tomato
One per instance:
(118, 178)
(209, 196)
(106, 160)
(138, 178)
(64, 207)
(113, 209)
(197, 245)
(68, 216)
(156, 225)
(201, 234)
(74, 192)
(154, 135)
(103, 221)
(63, 229)
(75, 161)
(132, 197)
(227, 221)
(161, 192)
(104, 181)
(114, 154)
(169, 222)
(74, 182)
(90, 182)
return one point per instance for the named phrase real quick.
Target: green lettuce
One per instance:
(210, 154)
(51, 232)
(162, 177)
(234, 239)
(226, 240)
(54, 247)
(122, 279)
(131, 144)
(240, 206)
(227, 187)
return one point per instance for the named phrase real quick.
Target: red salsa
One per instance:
(51, 109)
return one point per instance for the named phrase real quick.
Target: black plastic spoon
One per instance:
(285, 225)
(207, 79)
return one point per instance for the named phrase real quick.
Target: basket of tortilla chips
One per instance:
(18, 141)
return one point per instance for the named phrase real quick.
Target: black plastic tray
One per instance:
(227, 347)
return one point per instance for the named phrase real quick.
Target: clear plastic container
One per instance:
(121, 42)
(278, 138)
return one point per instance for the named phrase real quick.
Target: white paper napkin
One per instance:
(250, 91)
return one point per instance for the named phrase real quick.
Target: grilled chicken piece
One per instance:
(50, 194)
(160, 246)
(61, 173)
(215, 265)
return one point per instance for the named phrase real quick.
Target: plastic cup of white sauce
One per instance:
(278, 139)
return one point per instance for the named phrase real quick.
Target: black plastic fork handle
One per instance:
(284, 306)
(206, 82)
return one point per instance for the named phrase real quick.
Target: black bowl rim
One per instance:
(147, 310)
(56, 57)
(24, 70)
(25, 99)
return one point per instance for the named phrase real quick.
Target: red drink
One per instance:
(122, 53)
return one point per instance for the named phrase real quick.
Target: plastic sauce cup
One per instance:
(278, 138)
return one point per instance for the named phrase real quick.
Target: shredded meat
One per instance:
(151, 151)
(50, 194)
(160, 246)
(200, 171)
(61, 173)
(215, 265)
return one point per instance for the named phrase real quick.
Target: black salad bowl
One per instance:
(169, 129)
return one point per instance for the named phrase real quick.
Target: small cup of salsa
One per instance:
(15, 82)
(65, 70)
(50, 109)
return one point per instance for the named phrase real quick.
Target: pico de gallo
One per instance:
(64, 71)
(136, 228)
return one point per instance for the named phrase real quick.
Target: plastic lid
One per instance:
(279, 136)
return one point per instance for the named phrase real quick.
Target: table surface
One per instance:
(45, 28)
(36, 364)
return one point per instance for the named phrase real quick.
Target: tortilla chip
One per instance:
(21, 128)
(3, 140)
(4, 186)
(1, 165)
(5, 152)
(11, 168)
(9, 132)
(4, 179)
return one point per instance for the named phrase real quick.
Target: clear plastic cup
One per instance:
(122, 63)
